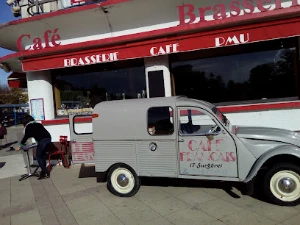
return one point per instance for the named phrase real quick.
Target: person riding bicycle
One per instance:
(35, 130)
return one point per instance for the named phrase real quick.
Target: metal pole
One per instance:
(36, 2)
(15, 115)
(29, 170)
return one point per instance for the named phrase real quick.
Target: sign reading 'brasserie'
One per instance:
(189, 14)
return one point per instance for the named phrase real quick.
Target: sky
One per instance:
(5, 16)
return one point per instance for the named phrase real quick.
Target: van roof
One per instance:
(127, 119)
(167, 101)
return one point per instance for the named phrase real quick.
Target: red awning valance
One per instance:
(17, 80)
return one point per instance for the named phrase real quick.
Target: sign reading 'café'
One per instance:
(187, 13)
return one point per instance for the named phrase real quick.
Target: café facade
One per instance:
(242, 55)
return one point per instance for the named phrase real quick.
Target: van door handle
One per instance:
(73, 141)
(182, 140)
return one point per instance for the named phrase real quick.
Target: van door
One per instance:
(205, 146)
(82, 145)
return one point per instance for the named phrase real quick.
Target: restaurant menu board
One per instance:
(37, 109)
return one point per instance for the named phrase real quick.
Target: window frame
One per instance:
(73, 122)
(294, 42)
(213, 118)
(147, 123)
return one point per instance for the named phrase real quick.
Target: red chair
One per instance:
(62, 151)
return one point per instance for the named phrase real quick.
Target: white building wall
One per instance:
(285, 119)
(39, 85)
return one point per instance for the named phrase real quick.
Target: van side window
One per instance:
(196, 122)
(160, 121)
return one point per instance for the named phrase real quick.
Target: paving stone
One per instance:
(21, 192)
(90, 182)
(217, 222)
(5, 221)
(295, 220)
(18, 209)
(219, 208)
(174, 191)
(67, 184)
(159, 221)
(5, 193)
(64, 215)
(79, 194)
(151, 194)
(124, 205)
(243, 201)
(190, 216)
(215, 192)
(168, 206)
(47, 215)
(106, 220)
(274, 212)
(31, 218)
(195, 197)
(88, 208)
(40, 194)
(137, 217)
(246, 217)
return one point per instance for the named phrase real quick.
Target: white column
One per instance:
(39, 85)
(159, 63)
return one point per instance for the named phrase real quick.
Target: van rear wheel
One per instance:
(282, 184)
(123, 181)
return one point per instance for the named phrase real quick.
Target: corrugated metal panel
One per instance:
(159, 163)
(108, 153)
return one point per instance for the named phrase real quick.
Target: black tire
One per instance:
(292, 170)
(116, 189)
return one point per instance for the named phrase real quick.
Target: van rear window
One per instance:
(160, 121)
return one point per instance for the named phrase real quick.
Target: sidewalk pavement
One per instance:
(66, 199)
(14, 162)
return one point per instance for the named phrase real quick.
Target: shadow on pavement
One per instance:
(89, 171)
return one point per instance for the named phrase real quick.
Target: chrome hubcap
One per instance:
(122, 180)
(287, 185)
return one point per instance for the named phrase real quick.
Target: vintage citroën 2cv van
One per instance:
(177, 137)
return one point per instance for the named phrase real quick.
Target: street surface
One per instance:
(73, 197)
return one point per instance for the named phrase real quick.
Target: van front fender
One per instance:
(290, 150)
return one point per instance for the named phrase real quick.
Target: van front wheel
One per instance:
(282, 184)
(123, 181)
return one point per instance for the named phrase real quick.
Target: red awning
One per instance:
(17, 80)
(182, 43)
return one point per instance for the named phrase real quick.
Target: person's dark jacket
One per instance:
(3, 132)
(36, 131)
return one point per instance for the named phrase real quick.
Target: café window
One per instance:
(78, 89)
(256, 72)
(160, 121)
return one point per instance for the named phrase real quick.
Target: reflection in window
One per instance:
(79, 89)
(82, 125)
(195, 122)
(268, 74)
(160, 121)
